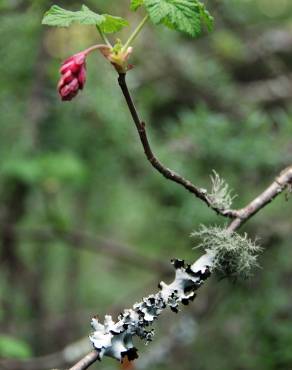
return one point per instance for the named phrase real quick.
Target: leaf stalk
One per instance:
(103, 36)
(135, 33)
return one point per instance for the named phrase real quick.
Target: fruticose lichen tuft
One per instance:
(221, 196)
(234, 255)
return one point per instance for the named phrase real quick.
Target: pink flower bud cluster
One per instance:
(73, 76)
(73, 69)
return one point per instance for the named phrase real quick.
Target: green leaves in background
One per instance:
(182, 15)
(135, 4)
(15, 348)
(46, 169)
(60, 17)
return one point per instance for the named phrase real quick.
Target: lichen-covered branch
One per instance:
(115, 339)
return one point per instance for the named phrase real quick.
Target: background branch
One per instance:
(84, 240)
(66, 356)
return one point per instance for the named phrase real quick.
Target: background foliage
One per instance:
(74, 182)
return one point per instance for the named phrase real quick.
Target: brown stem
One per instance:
(239, 216)
(166, 172)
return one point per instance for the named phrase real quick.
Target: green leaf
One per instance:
(135, 4)
(25, 169)
(112, 24)
(56, 167)
(182, 15)
(60, 17)
(12, 347)
(206, 17)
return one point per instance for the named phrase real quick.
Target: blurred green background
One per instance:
(88, 227)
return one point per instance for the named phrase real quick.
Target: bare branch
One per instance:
(86, 361)
(277, 187)
(270, 90)
(84, 240)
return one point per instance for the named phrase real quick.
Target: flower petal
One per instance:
(70, 90)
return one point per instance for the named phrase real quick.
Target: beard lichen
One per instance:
(235, 255)
(220, 196)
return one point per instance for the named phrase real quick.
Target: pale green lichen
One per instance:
(235, 255)
(221, 196)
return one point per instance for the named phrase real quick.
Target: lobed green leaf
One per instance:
(112, 24)
(182, 15)
(59, 17)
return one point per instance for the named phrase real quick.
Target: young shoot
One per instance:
(187, 16)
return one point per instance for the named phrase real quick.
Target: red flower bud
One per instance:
(73, 71)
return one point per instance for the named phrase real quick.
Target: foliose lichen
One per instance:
(115, 339)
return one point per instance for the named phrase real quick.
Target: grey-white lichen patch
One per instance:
(235, 255)
(115, 339)
(220, 196)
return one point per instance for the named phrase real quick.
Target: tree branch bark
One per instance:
(86, 361)
(84, 240)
